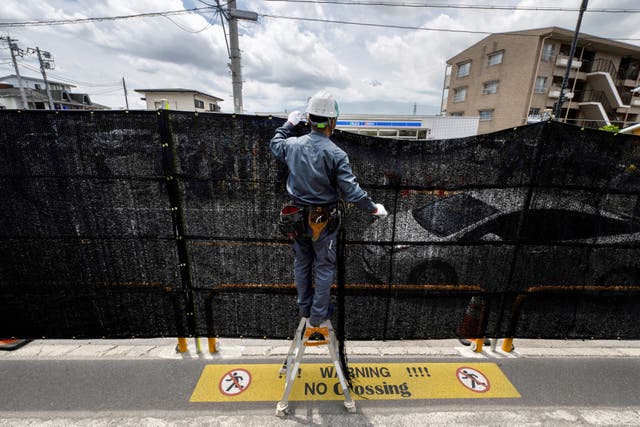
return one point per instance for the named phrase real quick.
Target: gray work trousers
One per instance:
(315, 260)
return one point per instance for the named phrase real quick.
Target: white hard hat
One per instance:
(323, 104)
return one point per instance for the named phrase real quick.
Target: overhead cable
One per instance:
(36, 23)
(370, 24)
(459, 6)
(403, 27)
(409, 27)
(73, 81)
(210, 22)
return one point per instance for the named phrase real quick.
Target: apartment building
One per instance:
(511, 79)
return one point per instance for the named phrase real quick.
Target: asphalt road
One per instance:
(554, 391)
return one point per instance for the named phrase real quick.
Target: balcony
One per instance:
(562, 61)
(555, 93)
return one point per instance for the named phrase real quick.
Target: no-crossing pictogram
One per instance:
(473, 379)
(234, 382)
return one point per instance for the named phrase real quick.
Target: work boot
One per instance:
(467, 342)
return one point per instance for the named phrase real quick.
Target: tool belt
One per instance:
(293, 220)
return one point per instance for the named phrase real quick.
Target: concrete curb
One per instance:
(165, 348)
(547, 416)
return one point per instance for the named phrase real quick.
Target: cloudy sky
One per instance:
(285, 58)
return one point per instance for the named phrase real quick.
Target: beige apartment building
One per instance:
(511, 79)
(180, 100)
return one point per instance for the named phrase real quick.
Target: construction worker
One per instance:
(319, 173)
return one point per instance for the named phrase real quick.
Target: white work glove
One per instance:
(295, 117)
(380, 211)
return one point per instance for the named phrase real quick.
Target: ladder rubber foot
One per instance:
(351, 407)
(282, 409)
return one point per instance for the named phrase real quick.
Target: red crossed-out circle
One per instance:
(234, 382)
(473, 379)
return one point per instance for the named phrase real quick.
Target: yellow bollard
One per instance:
(182, 345)
(507, 345)
(212, 345)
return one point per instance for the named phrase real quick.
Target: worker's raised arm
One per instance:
(278, 142)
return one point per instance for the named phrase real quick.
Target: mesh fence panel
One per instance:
(162, 223)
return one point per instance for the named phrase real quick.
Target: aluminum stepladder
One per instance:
(294, 359)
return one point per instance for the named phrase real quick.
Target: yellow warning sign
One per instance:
(372, 381)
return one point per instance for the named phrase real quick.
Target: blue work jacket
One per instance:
(318, 170)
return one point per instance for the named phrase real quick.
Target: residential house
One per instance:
(35, 92)
(180, 99)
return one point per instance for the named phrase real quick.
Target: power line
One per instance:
(458, 6)
(210, 22)
(408, 27)
(369, 24)
(102, 92)
(72, 81)
(342, 2)
(36, 23)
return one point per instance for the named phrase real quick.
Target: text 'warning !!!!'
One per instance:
(371, 381)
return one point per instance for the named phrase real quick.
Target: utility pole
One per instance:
(47, 63)
(15, 50)
(565, 80)
(232, 16)
(124, 87)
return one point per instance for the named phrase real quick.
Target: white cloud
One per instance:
(284, 60)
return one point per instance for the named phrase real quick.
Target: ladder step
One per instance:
(310, 336)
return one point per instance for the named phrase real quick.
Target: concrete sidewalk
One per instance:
(233, 348)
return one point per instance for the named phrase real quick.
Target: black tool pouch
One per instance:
(291, 221)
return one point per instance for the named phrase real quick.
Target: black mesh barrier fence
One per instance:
(150, 223)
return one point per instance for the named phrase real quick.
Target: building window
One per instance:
(463, 69)
(534, 112)
(490, 87)
(424, 133)
(459, 94)
(547, 51)
(407, 133)
(212, 107)
(38, 86)
(457, 114)
(198, 103)
(387, 133)
(486, 115)
(495, 58)
(541, 84)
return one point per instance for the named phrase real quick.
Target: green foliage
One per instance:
(611, 128)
